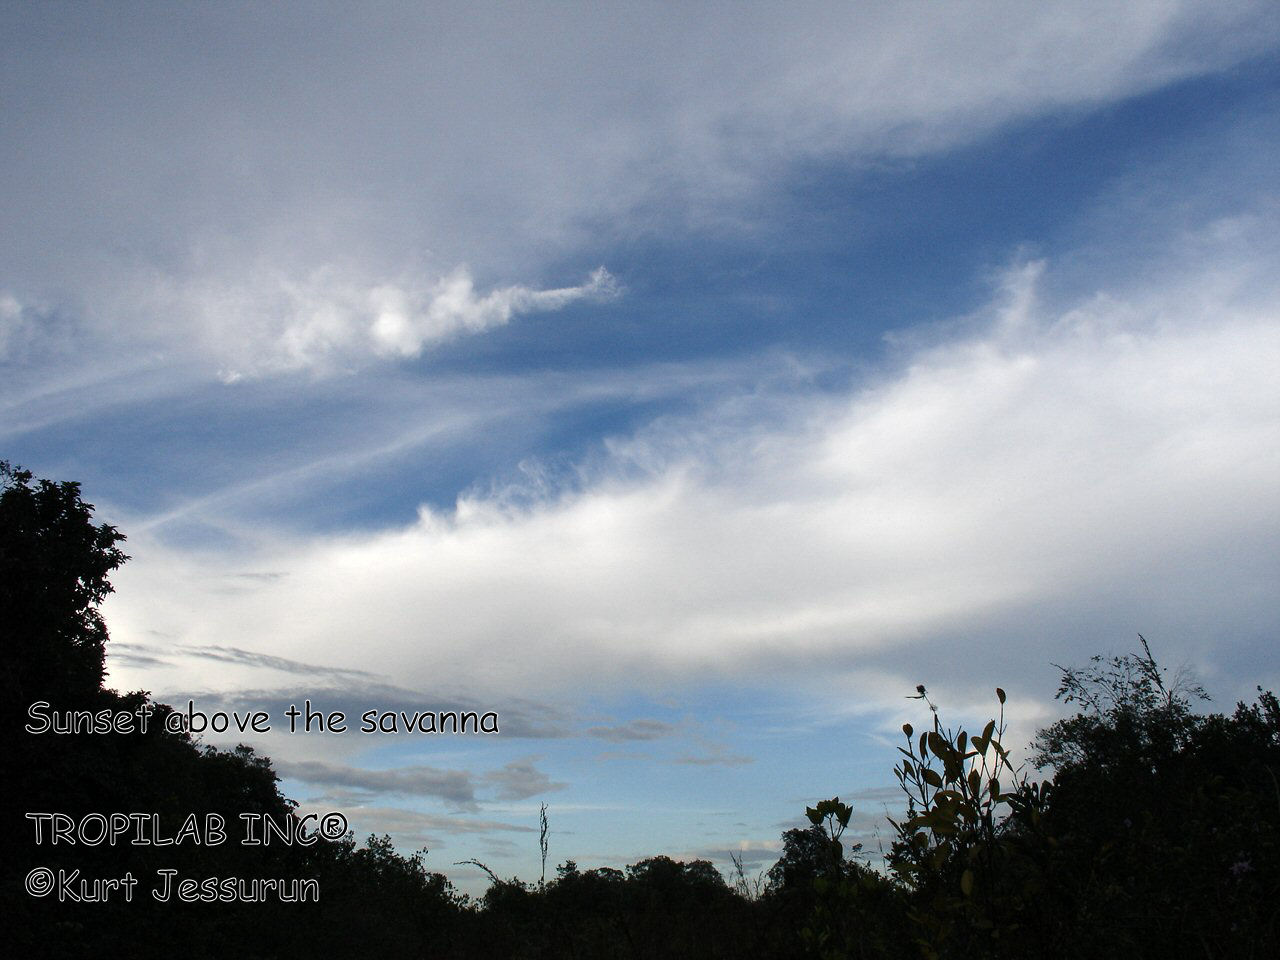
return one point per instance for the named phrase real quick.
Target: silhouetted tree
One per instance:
(54, 567)
(1164, 822)
(54, 564)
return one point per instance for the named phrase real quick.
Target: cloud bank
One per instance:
(1049, 474)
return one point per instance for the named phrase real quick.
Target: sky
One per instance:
(685, 383)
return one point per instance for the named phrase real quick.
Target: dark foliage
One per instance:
(1165, 824)
(54, 563)
(1157, 837)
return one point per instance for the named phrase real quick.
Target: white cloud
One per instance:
(251, 211)
(326, 322)
(404, 323)
(1105, 465)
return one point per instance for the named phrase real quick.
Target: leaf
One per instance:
(907, 729)
(931, 778)
(938, 745)
(1000, 695)
(966, 883)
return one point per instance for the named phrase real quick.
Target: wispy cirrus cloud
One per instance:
(325, 322)
(633, 730)
(261, 323)
(456, 787)
(221, 653)
(714, 758)
(516, 780)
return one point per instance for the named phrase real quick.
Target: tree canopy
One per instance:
(54, 568)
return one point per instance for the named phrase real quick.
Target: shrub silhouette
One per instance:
(1157, 837)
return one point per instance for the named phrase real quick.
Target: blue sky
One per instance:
(687, 387)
